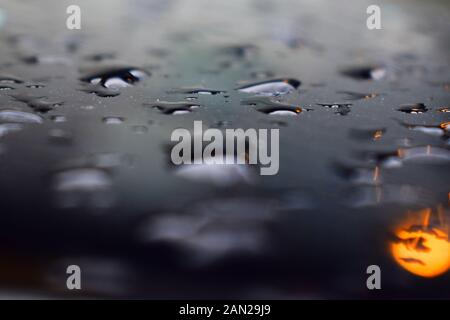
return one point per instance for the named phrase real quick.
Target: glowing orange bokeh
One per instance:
(421, 247)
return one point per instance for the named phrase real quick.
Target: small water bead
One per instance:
(58, 118)
(444, 110)
(220, 175)
(414, 108)
(267, 106)
(6, 88)
(178, 112)
(197, 90)
(100, 91)
(35, 86)
(272, 88)
(174, 108)
(113, 120)
(20, 117)
(6, 79)
(341, 108)
(83, 187)
(365, 72)
(82, 179)
(292, 111)
(334, 105)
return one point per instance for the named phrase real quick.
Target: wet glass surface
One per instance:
(85, 174)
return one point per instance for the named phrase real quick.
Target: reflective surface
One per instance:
(85, 173)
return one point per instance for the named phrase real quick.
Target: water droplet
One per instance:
(19, 116)
(113, 120)
(218, 174)
(58, 118)
(6, 88)
(265, 105)
(293, 111)
(197, 90)
(83, 187)
(414, 108)
(444, 109)
(174, 107)
(365, 72)
(100, 91)
(35, 86)
(272, 88)
(110, 160)
(114, 77)
(87, 179)
(9, 79)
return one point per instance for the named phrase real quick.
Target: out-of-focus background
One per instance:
(85, 175)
